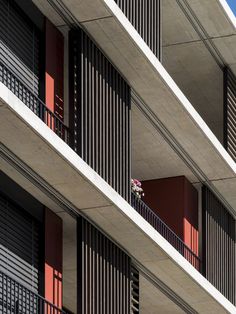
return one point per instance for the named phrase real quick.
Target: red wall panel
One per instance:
(190, 216)
(54, 89)
(54, 72)
(175, 201)
(53, 258)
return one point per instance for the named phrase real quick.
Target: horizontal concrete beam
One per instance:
(162, 98)
(28, 138)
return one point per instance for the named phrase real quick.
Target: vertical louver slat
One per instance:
(103, 273)
(230, 112)
(134, 290)
(100, 113)
(219, 229)
(145, 16)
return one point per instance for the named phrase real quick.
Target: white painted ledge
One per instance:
(229, 13)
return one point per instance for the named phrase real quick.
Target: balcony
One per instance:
(16, 298)
(53, 122)
(61, 170)
(165, 231)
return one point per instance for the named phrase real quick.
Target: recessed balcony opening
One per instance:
(170, 201)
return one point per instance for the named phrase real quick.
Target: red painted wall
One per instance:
(54, 89)
(191, 216)
(53, 258)
(54, 72)
(175, 201)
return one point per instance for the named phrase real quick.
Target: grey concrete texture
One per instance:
(80, 191)
(153, 301)
(46, 8)
(86, 10)
(189, 61)
(148, 83)
(152, 156)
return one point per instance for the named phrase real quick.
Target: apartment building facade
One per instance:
(94, 94)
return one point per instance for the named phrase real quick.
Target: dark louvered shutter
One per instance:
(145, 16)
(19, 244)
(134, 276)
(103, 273)
(219, 239)
(100, 113)
(19, 44)
(230, 112)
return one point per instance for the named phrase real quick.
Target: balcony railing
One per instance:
(15, 298)
(165, 231)
(14, 83)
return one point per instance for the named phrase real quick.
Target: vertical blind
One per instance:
(145, 16)
(104, 272)
(219, 245)
(230, 112)
(134, 290)
(19, 44)
(100, 113)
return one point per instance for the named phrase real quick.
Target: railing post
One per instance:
(17, 307)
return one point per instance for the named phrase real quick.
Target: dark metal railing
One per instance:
(14, 83)
(165, 231)
(11, 81)
(15, 298)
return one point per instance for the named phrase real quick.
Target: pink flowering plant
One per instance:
(136, 187)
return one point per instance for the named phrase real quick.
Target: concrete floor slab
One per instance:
(149, 85)
(153, 301)
(109, 211)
